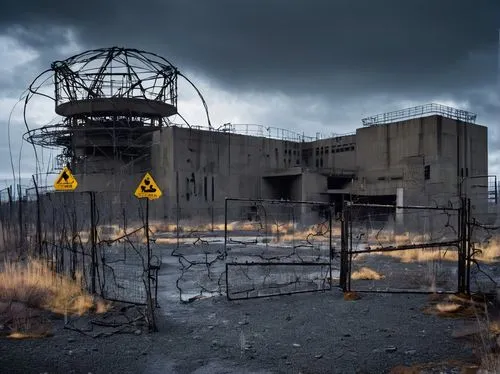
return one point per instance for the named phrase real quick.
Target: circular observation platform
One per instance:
(116, 106)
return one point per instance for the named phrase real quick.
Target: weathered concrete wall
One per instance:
(198, 169)
(336, 155)
(398, 154)
(211, 166)
(314, 187)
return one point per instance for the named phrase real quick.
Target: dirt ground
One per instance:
(317, 332)
(303, 333)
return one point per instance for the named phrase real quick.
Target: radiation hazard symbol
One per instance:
(65, 181)
(148, 188)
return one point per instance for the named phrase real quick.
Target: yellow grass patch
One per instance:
(448, 307)
(453, 306)
(366, 273)
(423, 255)
(351, 296)
(36, 285)
(488, 251)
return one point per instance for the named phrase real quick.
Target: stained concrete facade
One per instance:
(420, 160)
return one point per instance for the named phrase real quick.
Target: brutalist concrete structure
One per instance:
(432, 159)
(116, 103)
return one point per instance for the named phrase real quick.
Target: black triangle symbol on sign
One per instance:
(64, 176)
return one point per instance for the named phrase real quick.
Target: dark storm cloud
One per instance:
(420, 47)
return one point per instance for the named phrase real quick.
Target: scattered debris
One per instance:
(123, 320)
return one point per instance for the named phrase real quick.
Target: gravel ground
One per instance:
(303, 333)
(306, 333)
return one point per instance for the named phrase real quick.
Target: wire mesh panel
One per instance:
(195, 237)
(96, 237)
(279, 240)
(403, 249)
(279, 231)
(121, 247)
(260, 279)
(484, 253)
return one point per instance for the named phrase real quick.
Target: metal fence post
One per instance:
(150, 306)
(344, 249)
(93, 239)
(38, 219)
(225, 228)
(469, 245)
(330, 241)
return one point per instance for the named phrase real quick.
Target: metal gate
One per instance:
(276, 247)
(407, 249)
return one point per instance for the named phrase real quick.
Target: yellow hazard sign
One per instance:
(65, 181)
(148, 188)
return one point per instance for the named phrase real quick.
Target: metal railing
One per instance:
(420, 111)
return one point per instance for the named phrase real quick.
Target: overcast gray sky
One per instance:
(308, 66)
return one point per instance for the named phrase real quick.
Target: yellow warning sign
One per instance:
(148, 188)
(65, 181)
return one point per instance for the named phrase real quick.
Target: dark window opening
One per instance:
(321, 162)
(205, 188)
(427, 172)
(337, 182)
(317, 162)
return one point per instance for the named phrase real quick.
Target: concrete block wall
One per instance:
(200, 168)
(406, 149)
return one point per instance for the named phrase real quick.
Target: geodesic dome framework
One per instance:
(110, 101)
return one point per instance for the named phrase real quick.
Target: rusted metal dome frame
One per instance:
(126, 91)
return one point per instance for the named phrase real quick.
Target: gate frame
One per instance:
(462, 243)
(331, 251)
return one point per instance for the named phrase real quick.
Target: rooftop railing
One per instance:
(420, 111)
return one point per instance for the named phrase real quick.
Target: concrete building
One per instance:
(116, 102)
(396, 157)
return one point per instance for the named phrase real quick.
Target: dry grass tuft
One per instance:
(366, 274)
(489, 251)
(36, 285)
(30, 328)
(448, 307)
(424, 255)
(453, 306)
(351, 296)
